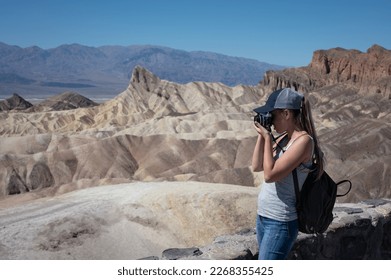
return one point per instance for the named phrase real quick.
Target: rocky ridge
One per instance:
(63, 101)
(15, 102)
(368, 73)
(60, 102)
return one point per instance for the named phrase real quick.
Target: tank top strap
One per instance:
(312, 140)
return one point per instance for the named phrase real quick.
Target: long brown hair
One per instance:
(305, 120)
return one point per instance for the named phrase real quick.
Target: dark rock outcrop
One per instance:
(177, 253)
(15, 102)
(63, 101)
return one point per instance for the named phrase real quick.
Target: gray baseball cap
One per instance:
(285, 98)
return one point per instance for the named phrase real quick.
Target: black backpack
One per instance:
(315, 201)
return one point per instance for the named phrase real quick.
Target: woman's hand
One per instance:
(264, 143)
(257, 160)
(261, 130)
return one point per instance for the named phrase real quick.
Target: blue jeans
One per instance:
(275, 238)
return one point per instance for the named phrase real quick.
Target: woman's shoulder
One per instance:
(300, 139)
(307, 143)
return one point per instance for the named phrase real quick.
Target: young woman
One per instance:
(276, 225)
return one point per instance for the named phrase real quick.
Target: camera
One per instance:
(264, 119)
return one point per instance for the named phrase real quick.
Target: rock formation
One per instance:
(369, 73)
(15, 102)
(63, 101)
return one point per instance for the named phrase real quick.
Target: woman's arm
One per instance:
(275, 170)
(257, 161)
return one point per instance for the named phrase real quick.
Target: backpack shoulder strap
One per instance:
(297, 191)
(283, 137)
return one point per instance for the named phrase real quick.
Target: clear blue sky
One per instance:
(284, 32)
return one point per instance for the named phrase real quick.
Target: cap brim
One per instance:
(269, 105)
(263, 109)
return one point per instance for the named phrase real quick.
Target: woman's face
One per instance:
(279, 121)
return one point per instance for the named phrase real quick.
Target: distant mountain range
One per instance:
(107, 69)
